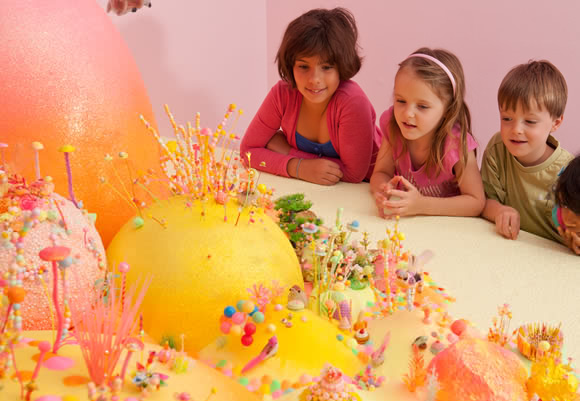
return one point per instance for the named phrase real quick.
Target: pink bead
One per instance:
(238, 317)
(44, 346)
(123, 267)
(225, 327)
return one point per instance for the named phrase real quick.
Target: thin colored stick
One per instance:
(69, 174)
(59, 317)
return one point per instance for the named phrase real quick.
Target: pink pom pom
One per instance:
(123, 267)
(225, 327)
(44, 346)
(238, 318)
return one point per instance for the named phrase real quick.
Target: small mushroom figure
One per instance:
(297, 299)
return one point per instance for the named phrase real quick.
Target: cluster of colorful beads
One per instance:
(367, 380)
(236, 321)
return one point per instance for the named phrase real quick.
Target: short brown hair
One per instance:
(330, 34)
(536, 81)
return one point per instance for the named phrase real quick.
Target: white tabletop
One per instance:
(538, 278)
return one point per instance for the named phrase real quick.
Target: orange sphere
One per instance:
(69, 78)
(16, 295)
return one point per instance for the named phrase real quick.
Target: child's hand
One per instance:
(319, 171)
(409, 202)
(571, 238)
(380, 199)
(381, 196)
(507, 222)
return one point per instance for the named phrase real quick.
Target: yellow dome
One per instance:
(199, 264)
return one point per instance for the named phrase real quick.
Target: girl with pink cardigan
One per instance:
(316, 124)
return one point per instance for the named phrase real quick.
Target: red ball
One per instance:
(458, 327)
(250, 328)
(247, 340)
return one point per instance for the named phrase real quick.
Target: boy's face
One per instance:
(525, 133)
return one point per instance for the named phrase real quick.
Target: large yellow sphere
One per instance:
(200, 263)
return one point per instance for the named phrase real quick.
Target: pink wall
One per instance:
(488, 36)
(199, 56)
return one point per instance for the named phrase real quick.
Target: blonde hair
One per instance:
(536, 81)
(456, 110)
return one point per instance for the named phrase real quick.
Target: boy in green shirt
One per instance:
(521, 163)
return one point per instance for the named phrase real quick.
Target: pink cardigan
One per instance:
(351, 126)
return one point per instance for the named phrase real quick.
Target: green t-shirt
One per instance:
(526, 189)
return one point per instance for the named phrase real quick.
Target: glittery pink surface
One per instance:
(85, 245)
(475, 369)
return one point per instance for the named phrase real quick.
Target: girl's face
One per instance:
(315, 79)
(417, 109)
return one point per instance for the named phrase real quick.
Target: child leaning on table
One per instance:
(426, 164)
(316, 124)
(521, 162)
(566, 213)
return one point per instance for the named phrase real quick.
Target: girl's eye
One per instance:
(327, 67)
(302, 66)
(531, 122)
(400, 101)
(507, 119)
(422, 106)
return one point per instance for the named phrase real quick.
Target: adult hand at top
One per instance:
(121, 7)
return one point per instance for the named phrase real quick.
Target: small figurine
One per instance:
(421, 342)
(297, 299)
(361, 335)
(269, 350)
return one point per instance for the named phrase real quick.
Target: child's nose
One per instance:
(518, 128)
(315, 75)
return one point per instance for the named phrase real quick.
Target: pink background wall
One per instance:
(489, 37)
(200, 56)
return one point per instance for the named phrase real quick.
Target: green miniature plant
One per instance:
(293, 212)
